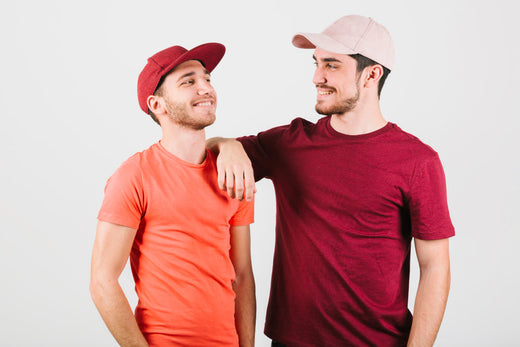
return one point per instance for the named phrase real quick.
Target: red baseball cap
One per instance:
(161, 63)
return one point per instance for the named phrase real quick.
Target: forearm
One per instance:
(117, 314)
(430, 303)
(245, 308)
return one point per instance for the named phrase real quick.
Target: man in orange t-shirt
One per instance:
(188, 242)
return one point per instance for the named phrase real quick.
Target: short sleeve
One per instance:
(245, 213)
(262, 149)
(428, 203)
(123, 203)
(258, 156)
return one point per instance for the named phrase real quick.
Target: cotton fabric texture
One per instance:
(180, 257)
(347, 209)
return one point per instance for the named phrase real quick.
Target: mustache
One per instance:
(324, 86)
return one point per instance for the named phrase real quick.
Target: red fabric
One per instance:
(347, 209)
(180, 256)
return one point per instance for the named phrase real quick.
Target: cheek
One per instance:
(350, 88)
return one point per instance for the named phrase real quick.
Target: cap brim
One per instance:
(309, 40)
(209, 54)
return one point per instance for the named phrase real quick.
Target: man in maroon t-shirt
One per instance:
(352, 191)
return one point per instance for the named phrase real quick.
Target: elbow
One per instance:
(244, 279)
(448, 279)
(444, 274)
(438, 277)
(95, 289)
(99, 287)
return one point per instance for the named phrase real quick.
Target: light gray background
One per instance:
(69, 117)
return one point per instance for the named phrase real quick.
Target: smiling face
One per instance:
(337, 82)
(188, 96)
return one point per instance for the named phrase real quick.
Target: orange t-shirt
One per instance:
(180, 255)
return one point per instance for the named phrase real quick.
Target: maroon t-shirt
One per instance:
(347, 208)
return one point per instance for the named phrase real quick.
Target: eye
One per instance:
(188, 82)
(331, 67)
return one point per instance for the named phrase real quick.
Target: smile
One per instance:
(324, 92)
(204, 103)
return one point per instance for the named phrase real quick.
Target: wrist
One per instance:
(227, 142)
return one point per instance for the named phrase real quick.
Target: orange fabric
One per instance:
(180, 256)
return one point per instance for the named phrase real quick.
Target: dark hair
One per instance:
(363, 62)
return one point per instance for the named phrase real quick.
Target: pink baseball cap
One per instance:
(161, 63)
(352, 35)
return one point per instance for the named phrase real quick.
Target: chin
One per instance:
(323, 110)
(207, 123)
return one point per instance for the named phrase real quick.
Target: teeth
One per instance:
(205, 103)
(324, 92)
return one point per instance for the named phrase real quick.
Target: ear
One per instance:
(155, 104)
(374, 74)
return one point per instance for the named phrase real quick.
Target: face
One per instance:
(189, 98)
(337, 82)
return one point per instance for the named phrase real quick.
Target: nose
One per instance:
(319, 76)
(205, 87)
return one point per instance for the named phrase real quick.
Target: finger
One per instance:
(230, 184)
(221, 173)
(239, 183)
(249, 183)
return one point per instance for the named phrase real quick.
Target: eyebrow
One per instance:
(191, 73)
(328, 60)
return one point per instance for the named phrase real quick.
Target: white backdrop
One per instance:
(69, 117)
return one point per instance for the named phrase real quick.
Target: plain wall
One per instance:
(69, 117)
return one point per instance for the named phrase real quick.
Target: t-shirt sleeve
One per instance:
(257, 154)
(123, 203)
(262, 150)
(428, 203)
(245, 213)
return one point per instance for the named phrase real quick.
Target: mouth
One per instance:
(324, 92)
(204, 103)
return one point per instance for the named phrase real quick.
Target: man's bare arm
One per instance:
(244, 285)
(235, 173)
(432, 293)
(110, 253)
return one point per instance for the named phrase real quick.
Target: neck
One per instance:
(363, 119)
(186, 144)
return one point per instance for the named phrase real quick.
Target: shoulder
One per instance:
(301, 124)
(297, 127)
(211, 158)
(278, 134)
(132, 167)
(296, 124)
(411, 145)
